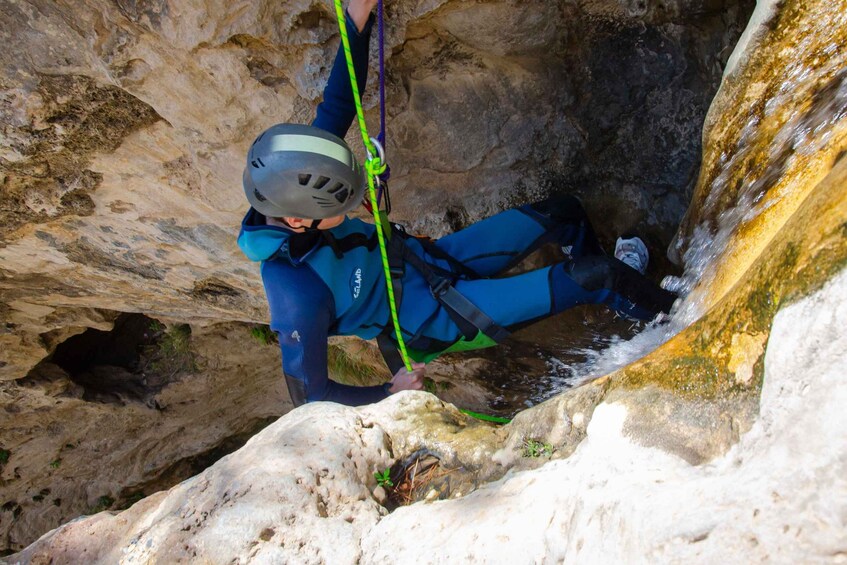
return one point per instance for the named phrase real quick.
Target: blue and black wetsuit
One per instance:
(331, 282)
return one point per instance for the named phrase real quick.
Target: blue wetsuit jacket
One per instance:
(332, 283)
(303, 309)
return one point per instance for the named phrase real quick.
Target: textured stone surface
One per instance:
(298, 491)
(125, 125)
(123, 132)
(639, 465)
(301, 489)
(71, 453)
(778, 495)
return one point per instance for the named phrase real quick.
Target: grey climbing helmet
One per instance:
(303, 172)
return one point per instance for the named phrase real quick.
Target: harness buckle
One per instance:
(440, 288)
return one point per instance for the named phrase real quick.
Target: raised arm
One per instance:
(337, 110)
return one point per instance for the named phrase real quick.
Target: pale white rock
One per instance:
(380, 495)
(779, 495)
(300, 491)
(297, 492)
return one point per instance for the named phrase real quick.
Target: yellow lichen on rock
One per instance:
(771, 136)
(746, 350)
(767, 221)
(704, 359)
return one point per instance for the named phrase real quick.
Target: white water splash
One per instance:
(804, 133)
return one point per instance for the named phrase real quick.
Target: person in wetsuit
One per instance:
(323, 274)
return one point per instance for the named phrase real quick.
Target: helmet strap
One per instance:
(312, 227)
(333, 243)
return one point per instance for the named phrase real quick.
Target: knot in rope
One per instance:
(375, 166)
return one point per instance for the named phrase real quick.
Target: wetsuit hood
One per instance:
(261, 242)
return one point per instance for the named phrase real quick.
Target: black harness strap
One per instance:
(458, 267)
(464, 313)
(390, 353)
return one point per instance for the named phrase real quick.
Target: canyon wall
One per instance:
(124, 129)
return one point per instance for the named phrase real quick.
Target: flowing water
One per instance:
(793, 121)
(545, 358)
(805, 132)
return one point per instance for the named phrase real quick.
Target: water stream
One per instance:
(804, 132)
(583, 345)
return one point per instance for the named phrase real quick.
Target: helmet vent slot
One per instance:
(342, 196)
(304, 179)
(338, 186)
(260, 161)
(321, 182)
(259, 196)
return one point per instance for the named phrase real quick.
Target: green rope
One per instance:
(375, 167)
(485, 417)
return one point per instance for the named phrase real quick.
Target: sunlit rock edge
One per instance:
(778, 494)
(809, 251)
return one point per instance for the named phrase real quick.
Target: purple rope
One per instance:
(381, 27)
(381, 137)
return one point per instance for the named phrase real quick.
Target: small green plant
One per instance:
(103, 503)
(54, 464)
(156, 326)
(429, 385)
(383, 479)
(433, 387)
(263, 334)
(534, 448)
(4, 456)
(172, 353)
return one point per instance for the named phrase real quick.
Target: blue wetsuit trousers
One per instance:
(494, 245)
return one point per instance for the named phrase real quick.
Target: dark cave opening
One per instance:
(119, 347)
(129, 363)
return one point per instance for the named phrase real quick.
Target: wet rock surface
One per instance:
(146, 223)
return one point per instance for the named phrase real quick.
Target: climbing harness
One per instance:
(478, 329)
(475, 325)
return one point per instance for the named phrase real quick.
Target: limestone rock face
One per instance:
(301, 489)
(776, 495)
(309, 473)
(665, 459)
(73, 450)
(125, 127)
